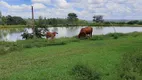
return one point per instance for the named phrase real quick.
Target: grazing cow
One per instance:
(84, 32)
(51, 34)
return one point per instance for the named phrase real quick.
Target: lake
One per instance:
(13, 34)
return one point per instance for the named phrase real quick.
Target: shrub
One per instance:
(6, 47)
(83, 72)
(131, 66)
(2, 51)
(97, 37)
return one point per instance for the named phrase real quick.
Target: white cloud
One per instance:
(85, 9)
(38, 6)
(95, 1)
(42, 1)
(75, 1)
(61, 4)
(4, 4)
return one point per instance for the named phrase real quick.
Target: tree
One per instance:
(72, 18)
(10, 20)
(28, 22)
(140, 22)
(0, 18)
(4, 20)
(133, 22)
(0, 15)
(18, 20)
(98, 18)
(53, 21)
(41, 22)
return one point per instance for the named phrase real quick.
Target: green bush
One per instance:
(135, 34)
(3, 51)
(6, 47)
(131, 66)
(83, 72)
(98, 37)
(115, 35)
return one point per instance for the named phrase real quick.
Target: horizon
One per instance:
(85, 9)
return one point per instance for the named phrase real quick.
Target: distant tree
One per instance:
(28, 22)
(98, 18)
(0, 18)
(4, 20)
(140, 22)
(18, 20)
(15, 20)
(0, 14)
(53, 21)
(45, 22)
(133, 22)
(40, 22)
(10, 20)
(72, 18)
(82, 22)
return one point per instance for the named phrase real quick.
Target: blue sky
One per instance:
(85, 9)
(18, 2)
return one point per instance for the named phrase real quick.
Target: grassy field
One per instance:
(109, 57)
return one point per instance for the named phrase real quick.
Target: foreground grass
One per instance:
(100, 58)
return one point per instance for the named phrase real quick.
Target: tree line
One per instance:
(71, 20)
(11, 20)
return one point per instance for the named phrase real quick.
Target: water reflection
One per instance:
(14, 34)
(11, 34)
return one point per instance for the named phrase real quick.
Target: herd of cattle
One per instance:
(84, 32)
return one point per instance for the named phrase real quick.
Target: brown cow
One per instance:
(84, 32)
(51, 34)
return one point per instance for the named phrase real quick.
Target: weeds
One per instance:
(83, 72)
(6, 47)
(131, 66)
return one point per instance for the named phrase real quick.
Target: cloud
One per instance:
(85, 9)
(95, 1)
(42, 1)
(4, 4)
(38, 6)
(61, 4)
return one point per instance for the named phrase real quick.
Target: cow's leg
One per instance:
(91, 34)
(52, 37)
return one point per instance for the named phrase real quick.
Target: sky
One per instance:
(85, 9)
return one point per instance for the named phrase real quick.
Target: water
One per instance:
(14, 34)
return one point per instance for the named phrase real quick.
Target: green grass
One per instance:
(13, 26)
(113, 24)
(74, 59)
(91, 24)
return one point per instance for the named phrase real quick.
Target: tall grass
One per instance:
(7, 47)
(131, 66)
(84, 72)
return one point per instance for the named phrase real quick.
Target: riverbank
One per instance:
(103, 57)
(116, 25)
(12, 26)
(93, 25)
